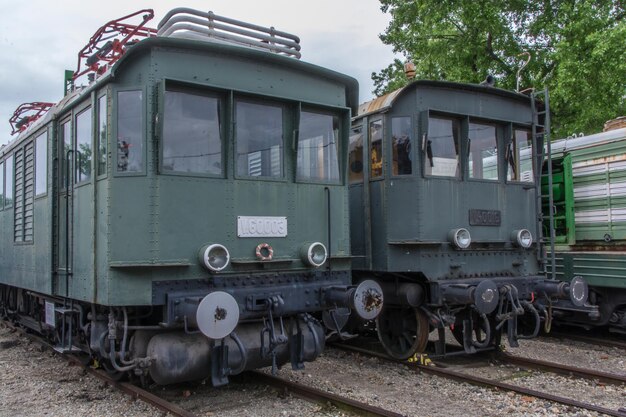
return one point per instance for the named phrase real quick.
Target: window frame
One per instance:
(286, 108)
(65, 118)
(2, 187)
(348, 168)
(37, 135)
(10, 155)
(78, 111)
(411, 142)
(377, 118)
(107, 96)
(499, 131)
(114, 126)
(326, 111)
(509, 135)
(199, 90)
(461, 121)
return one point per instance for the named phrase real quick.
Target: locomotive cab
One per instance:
(444, 215)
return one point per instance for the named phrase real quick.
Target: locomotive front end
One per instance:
(220, 208)
(444, 194)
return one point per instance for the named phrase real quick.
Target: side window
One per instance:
(41, 164)
(401, 145)
(355, 159)
(130, 131)
(102, 136)
(1, 185)
(519, 157)
(483, 152)
(83, 154)
(317, 147)
(66, 140)
(8, 176)
(376, 148)
(259, 133)
(442, 148)
(192, 141)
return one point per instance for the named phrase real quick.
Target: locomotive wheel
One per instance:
(402, 331)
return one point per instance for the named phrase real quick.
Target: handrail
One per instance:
(234, 31)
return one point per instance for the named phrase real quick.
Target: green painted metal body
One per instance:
(407, 218)
(128, 231)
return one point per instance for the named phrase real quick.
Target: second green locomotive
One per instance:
(444, 206)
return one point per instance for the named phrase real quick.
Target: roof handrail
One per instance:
(229, 30)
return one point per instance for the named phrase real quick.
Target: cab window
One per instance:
(519, 157)
(8, 177)
(442, 147)
(259, 135)
(41, 164)
(483, 152)
(401, 145)
(129, 131)
(1, 185)
(376, 148)
(191, 134)
(102, 136)
(83, 146)
(317, 147)
(65, 140)
(355, 159)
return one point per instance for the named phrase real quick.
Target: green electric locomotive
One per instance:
(184, 214)
(444, 206)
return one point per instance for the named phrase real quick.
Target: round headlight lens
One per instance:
(522, 238)
(215, 257)
(461, 238)
(314, 254)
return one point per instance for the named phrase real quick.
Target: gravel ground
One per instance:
(38, 383)
(34, 381)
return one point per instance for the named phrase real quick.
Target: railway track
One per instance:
(595, 340)
(486, 382)
(557, 368)
(346, 404)
(301, 391)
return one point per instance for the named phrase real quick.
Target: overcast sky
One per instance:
(39, 39)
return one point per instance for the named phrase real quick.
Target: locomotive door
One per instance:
(63, 212)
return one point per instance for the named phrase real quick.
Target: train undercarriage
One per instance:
(478, 312)
(145, 343)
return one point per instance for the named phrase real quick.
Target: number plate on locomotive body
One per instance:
(484, 217)
(261, 226)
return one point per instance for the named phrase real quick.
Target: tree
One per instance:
(577, 50)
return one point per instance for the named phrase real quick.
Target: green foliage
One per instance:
(577, 49)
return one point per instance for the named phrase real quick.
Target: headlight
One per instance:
(522, 238)
(214, 257)
(314, 254)
(460, 238)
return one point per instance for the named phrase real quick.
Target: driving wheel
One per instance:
(403, 331)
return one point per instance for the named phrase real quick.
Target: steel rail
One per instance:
(480, 381)
(563, 369)
(588, 339)
(125, 387)
(344, 403)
